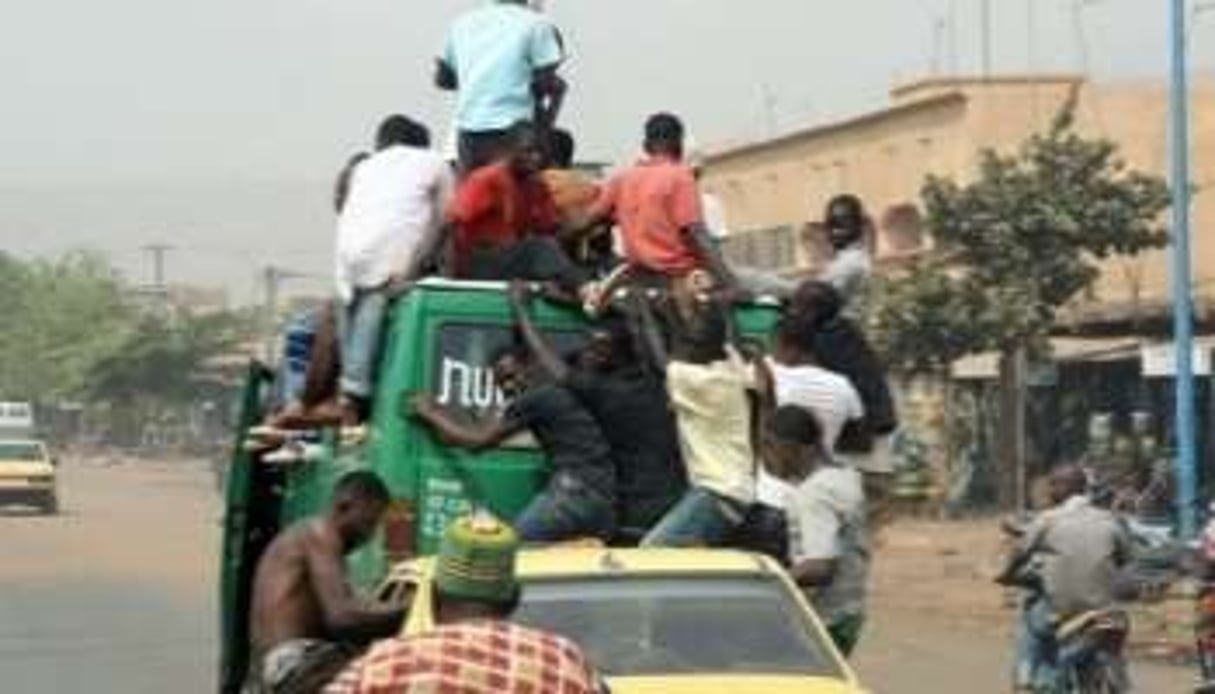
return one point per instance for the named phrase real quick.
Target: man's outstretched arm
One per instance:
(475, 438)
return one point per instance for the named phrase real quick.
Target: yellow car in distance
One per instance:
(27, 475)
(665, 621)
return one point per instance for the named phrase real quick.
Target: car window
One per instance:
(462, 378)
(23, 452)
(682, 625)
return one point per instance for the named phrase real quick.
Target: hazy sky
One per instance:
(217, 124)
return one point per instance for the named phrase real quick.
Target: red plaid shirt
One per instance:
(491, 657)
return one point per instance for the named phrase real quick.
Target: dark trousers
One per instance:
(536, 259)
(477, 149)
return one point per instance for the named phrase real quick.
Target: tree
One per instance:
(1022, 240)
(62, 318)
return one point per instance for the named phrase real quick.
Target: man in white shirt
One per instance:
(389, 228)
(828, 545)
(799, 380)
(502, 59)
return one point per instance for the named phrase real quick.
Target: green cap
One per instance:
(477, 560)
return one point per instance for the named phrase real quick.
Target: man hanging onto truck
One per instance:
(630, 404)
(579, 499)
(502, 60)
(709, 386)
(307, 623)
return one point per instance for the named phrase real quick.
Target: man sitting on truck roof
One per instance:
(506, 222)
(474, 649)
(579, 499)
(389, 229)
(656, 203)
(502, 59)
(630, 404)
(307, 623)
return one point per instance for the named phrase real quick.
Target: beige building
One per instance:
(938, 126)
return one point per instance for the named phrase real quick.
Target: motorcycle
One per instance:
(1080, 654)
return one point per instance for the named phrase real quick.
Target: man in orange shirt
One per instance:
(656, 204)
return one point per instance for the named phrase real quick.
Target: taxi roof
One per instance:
(570, 561)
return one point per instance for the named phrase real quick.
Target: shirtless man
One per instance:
(307, 622)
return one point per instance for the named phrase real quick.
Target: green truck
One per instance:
(439, 340)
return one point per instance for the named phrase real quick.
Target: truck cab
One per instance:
(439, 340)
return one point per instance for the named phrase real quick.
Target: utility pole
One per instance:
(158, 251)
(273, 278)
(1182, 274)
(985, 36)
(159, 290)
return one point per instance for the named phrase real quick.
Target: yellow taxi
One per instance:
(27, 475)
(665, 620)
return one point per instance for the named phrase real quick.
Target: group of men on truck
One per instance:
(666, 428)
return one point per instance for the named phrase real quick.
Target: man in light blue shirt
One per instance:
(502, 59)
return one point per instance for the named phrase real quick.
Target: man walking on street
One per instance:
(502, 60)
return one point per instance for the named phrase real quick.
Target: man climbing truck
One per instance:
(439, 340)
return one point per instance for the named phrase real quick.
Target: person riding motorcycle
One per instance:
(1069, 558)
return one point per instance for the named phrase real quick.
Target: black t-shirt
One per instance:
(569, 435)
(632, 410)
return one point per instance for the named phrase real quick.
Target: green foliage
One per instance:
(62, 318)
(166, 360)
(1021, 241)
(71, 331)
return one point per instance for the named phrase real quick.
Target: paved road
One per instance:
(118, 595)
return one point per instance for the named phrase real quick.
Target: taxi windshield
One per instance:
(21, 452)
(638, 626)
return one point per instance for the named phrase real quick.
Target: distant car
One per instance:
(27, 475)
(665, 621)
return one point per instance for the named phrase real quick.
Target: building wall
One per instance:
(939, 127)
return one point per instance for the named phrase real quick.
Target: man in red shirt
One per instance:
(506, 222)
(656, 203)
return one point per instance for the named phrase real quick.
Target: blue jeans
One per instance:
(361, 327)
(567, 510)
(1034, 661)
(701, 518)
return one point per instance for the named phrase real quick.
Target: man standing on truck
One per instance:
(475, 649)
(307, 623)
(388, 230)
(502, 59)
(579, 500)
(630, 404)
